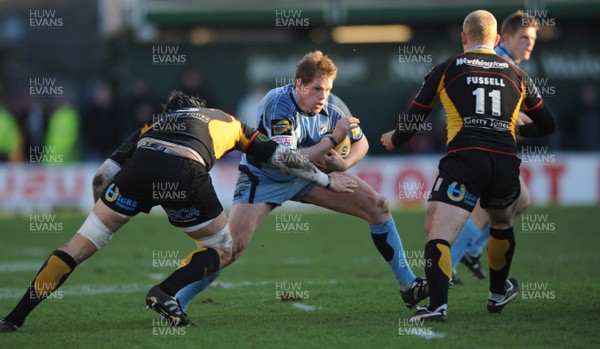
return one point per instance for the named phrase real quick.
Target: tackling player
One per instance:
(299, 116)
(482, 94)
(181, 146)
(518, 35)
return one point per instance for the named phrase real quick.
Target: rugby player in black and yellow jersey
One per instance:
(482, 94)
(173, 155)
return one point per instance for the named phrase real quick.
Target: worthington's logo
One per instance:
(481, 63)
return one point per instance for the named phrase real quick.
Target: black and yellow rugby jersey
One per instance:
(210, 132)
(482, 94)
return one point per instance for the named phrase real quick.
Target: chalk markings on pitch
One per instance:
(81, 290)
(305, 307)
(11, 267)
(267, 283)
(92, 290)
(431, 335)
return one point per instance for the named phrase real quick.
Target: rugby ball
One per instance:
(344, 147)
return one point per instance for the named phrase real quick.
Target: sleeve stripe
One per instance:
(422, 105)
(534, 107)
(250, 141)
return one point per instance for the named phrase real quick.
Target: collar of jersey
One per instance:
(506, 50)
(295, 101)
(481, 51)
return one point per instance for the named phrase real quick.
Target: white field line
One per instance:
(11, 267)
(92, 290)
(431, 335)
(305, 307)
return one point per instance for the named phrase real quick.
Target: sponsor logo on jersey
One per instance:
(282, 127)
(480, 63)
(113, 195)
(458, 192)
(455, 192)
(287, 141)
(182, 214)
(487, 123)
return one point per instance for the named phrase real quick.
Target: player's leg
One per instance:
(500, 199)
(524, 200)
(372, 207)
(476, 247)
(251, 204)
(94, 234)
(471, 233)
(244, 219)
(501, 248)
(202, 218)
(200, 267)
(442, 223)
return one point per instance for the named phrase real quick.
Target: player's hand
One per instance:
(386, 140)
(332, 161)
(522, 119)
(340, 183)
(343, 126)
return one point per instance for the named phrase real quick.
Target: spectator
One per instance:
(192, 84)
(62, 135)
(99, 124)
(10, 138)
(588, 120)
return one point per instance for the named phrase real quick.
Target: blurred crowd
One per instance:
(92, 129)
(87, 129)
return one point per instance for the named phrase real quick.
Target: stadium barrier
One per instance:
(557, 179)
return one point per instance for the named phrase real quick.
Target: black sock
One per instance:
(51, 275)
(198, 265)
(501, 248)
(438, 269)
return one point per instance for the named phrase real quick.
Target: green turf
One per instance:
(338, 270)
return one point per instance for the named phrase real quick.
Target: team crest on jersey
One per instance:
(282, 127)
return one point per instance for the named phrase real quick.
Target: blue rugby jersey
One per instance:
(281, 119)
(503, 51)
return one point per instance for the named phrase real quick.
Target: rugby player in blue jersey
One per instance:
(300, 116)
(180, 146)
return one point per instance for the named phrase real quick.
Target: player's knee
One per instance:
(221, 242)
(94, 230)
(378, 209)
(238, 248)
(225, 256)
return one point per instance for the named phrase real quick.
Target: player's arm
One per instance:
(263, 148)
(111, 166)
(329, 142)
(535, 109)
(417, 111)
(332, 161)
(542, 122)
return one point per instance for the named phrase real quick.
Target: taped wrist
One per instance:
(298, 165)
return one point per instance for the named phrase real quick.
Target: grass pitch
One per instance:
(337, 291)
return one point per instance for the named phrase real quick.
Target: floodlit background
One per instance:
(76, 77)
